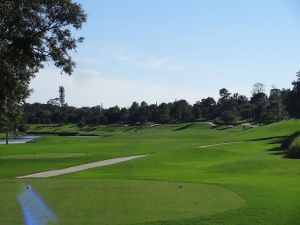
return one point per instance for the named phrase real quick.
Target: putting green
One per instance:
(112, 202)
(44, 155)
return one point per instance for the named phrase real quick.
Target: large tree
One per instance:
(31, 33)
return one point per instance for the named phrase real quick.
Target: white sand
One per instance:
(212, 124)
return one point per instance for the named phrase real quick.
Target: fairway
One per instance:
(237, 180)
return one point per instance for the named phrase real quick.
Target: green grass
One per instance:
(3, 135)
(244, 183)
(133, 203)
(45, 155)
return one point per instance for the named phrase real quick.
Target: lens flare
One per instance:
(35, 210)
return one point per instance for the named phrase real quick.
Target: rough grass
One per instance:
(252, 169)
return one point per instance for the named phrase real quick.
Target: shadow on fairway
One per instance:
(274, 139)
(282, 149)
(184, 127)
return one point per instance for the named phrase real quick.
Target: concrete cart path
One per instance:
(73, 169)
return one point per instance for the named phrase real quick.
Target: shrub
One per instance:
(228, 117)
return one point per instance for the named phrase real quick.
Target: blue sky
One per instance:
(162, 50)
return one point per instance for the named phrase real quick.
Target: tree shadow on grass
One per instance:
(184, 127)
(273, 139)
(88, 129)
(222, 127)
(136, 128)
(284, 152)
(282, 147)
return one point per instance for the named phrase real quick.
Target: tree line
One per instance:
(229, 108)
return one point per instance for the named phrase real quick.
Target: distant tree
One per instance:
(247, 112)
(81, 123)
(224, 93)
(45, 116)
(164, 113)
(61, 95)
(132, 117)
(143, 113)
(292, 99)
(260, 103)
(98, 115)
(276, 110)
(242, 106)
(113, 114)
(197, 110)
(123, 115)
(181, 111)
(57, 117)
(227, 107)
(228, 117)
(54, 101)
(154, 114)
(241, 99)
(258, 88)
(208, 107)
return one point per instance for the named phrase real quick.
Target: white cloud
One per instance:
(139, 60)
(89, 88)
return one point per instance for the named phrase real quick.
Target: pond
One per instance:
(18, 139)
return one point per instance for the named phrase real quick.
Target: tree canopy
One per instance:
(33, 32)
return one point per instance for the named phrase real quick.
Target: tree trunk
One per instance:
(16, 133)
(6, 141)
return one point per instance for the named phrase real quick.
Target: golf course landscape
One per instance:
(192, 173)
(130, 112)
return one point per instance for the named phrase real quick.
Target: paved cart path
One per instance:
(73, 169)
